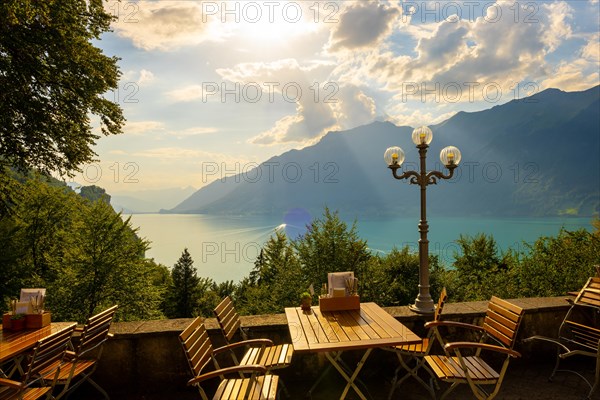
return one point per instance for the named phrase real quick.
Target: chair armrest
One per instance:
(10, 383)
(230, 370)
(79, 329)
(255, 342)
(432, 324)
(110, 335)
(483, 346)
(548, 340)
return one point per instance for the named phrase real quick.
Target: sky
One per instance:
(213, 88)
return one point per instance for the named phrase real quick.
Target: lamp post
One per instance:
(450, 157)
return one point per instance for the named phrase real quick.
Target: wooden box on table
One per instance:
(339, 303)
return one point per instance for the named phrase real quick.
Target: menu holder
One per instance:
(6, 321)
(36, 321)
(339, 303)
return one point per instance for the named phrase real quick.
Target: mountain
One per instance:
(145, 201)
(538, 156)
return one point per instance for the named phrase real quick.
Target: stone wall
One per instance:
(146, 356)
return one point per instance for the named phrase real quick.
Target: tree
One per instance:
(52, 79)
(329, 246)
(554, 266)
(480, 271)
(103, 266)
(185, 294)
(94, 193)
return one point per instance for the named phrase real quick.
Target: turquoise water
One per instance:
(224, 248)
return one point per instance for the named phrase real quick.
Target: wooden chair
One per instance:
(416, 352)
(579, 332)
(501, 324)
(43, 367)
(199, 352)
(271, 356)
(81, 363)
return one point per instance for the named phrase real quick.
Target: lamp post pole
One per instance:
(450, 157)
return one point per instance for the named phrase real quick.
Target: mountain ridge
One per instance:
(519, 159)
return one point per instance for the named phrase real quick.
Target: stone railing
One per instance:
(146, 356)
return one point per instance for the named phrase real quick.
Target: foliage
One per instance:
(94, 193)
(329, 246)
(84, 253)
(557, 265)
(52, 79)
(393, 279)
(480, 271)
(552, 266)
(184, 295)
(275, 282)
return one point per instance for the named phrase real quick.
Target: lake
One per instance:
(224, 248)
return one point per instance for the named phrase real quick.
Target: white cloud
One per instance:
(194, 131)
(591, 50)
(404, 115)
(141, 127)
(353, 107)
(162, 25)
(145, 77)
(188, 93)
(488, 51)
(174, 153)
(571, 77)
(362, 25)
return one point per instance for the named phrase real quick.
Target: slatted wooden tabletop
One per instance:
(369, 327)
(14, 343)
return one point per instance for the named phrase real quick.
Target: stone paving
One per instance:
(524, 381)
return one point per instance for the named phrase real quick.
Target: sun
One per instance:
(271, 23)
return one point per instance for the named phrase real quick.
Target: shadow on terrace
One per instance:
(144, 360)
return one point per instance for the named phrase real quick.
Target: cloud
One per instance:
(185, 94)
(405, 115)
(353, 107)
(302, 85)
(162, 25)
(571, 77)
(362, 25)
(591, 50)
(145, 77)
(490, 50)
(194, 131)
(141, 127)
(173, 153)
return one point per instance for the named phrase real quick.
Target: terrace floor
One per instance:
(524, 381)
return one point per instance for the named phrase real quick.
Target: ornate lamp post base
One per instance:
(422, 306)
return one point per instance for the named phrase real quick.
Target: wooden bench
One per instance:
(579, 333)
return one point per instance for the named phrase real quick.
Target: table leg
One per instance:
(349, 379)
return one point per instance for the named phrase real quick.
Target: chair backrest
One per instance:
(196, 345)
(590, 293)
(440, 305)
(228, 318)
(47, 352)
(502, 321)
(95, 332)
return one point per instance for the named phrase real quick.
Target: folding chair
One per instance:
(501, 324)
(272, 356)
(80, 364)
(579, 332)
(416, 352)
(47, 352)
(199, 352)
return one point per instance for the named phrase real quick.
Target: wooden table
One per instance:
(333, 332)
(14, 344)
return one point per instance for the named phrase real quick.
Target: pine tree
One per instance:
(184, 295)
